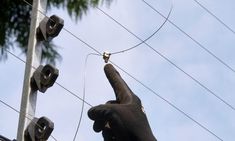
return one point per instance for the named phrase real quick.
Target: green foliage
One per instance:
(15, 23)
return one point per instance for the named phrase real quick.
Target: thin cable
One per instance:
(213, 15)
(9, 106)
(194, 40)
(135, 46)
(84, 94)
(72, 93)
(168, 60)
(168, 102)
(14, 109)
(18, 58)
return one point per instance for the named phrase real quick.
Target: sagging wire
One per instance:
(145, 40)
(84, 92)
(26, 116)
(106, 54)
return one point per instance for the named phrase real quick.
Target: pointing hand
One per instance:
(122, 119)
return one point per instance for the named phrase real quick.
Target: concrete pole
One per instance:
(29, 97)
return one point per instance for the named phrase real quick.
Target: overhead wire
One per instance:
(194, 40)
(26, 116)
(169, 61)
(84, 93)
(145, 40)
(213, 15)
(57, 83)
(146, 85)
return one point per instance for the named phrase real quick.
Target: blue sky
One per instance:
(102, 33)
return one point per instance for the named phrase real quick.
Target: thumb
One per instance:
(122, 91)
(100, 112)
(100, 115)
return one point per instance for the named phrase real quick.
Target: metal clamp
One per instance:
(106, 56)
(49, 28)
(44, 77)
(39, 129)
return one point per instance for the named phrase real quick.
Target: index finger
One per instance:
(122, 91)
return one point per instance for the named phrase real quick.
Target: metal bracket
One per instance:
(49, 28)
(44, 77)
(39, 129)
(106, 56)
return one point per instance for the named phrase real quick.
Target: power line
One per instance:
(75, 95)
(194, 40)
(168, 60)
(213, 15)
(9, 106)
(17, 111)
(148, 87)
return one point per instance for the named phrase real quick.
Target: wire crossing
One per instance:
(72, 93)
(169, 61)
(213, 15)
(194, 40)
(145, 40)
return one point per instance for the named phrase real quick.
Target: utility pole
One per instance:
(29, 96)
